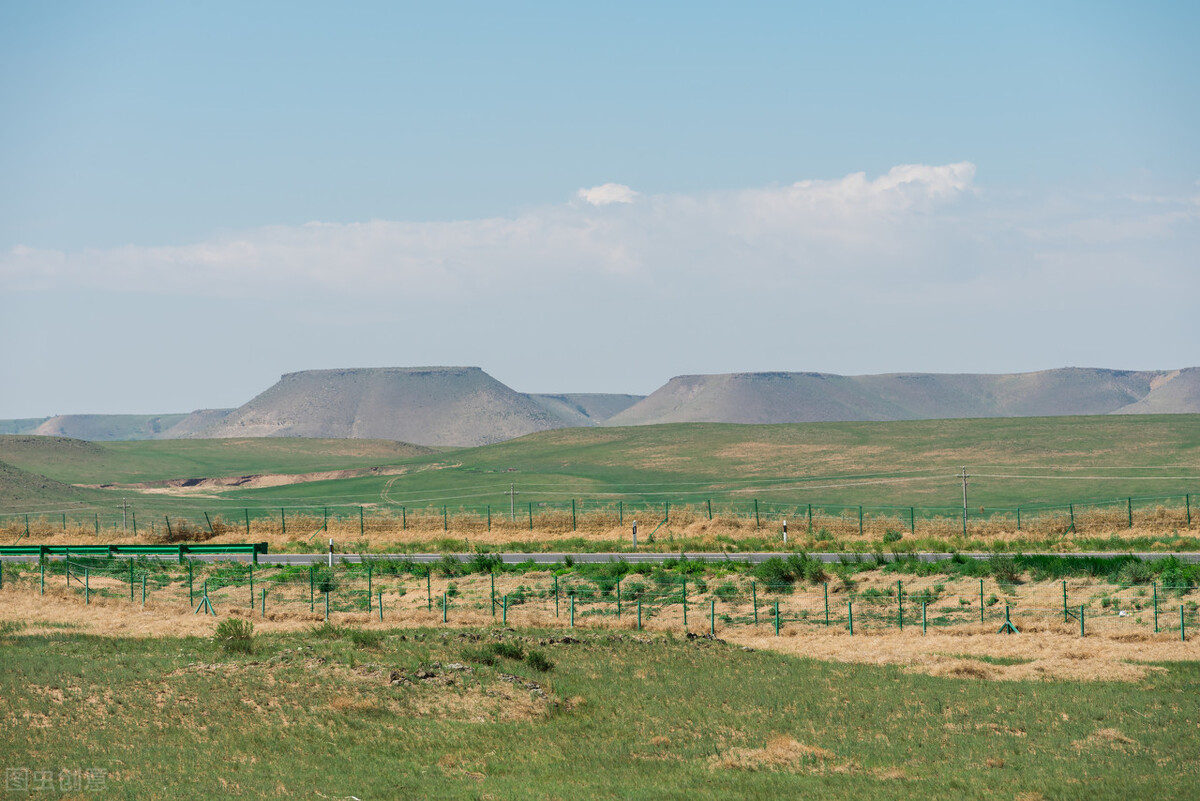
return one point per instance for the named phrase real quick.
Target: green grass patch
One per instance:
(309, 714)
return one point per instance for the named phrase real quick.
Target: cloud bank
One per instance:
(918, 234)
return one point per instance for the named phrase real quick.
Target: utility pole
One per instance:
(512, 502)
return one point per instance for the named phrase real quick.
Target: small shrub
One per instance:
(539, 661)
(452, 590)
(478, 656)
(366, 638)
(508, 650)
(993, 600)
(726, 591)
(892, 536)
(235, 635)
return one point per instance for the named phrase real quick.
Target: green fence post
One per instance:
(754, 596)
(850, 616)
(43, 567)
(283, 521)
(370, 570)
(191, 592)
(810, 519)
(827, 604)
(131, 579)
(639, 614)
(381, 606)
(777, 618)
(87, 587)
(666, 511)
(1129, 509)
(912, 520)
(531, 516)
(756, 521)
(1066, 616)
(264, 603)
(26, 525)
(1071, 512)
(573, 514)
(712, 617)
(572, 610)
(403, 518)
(362, 526)
(1187, 501)
(1082, 632)
(981, 600)
(504, 620)
(133, 515)
(429, 590)
(618, 599)
(143, 590)
(710, 508)
(621, 513)
(556, 596)
(1018, 518)
(247, 513)
(170, 533)
(489, 516)
(97, 521)
(250, 572)
(924, 618)
(445, 519)
(312, 588)
(326, 606)
(860, 522)
(64, 518)
(1156, 607)
(900, 598)
(1182, 636)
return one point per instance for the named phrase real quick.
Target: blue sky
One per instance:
(195, 198)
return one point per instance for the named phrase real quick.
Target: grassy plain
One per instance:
(885, 467)
(336, 712)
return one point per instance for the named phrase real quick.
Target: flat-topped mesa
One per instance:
(438, 406)
(823, 397)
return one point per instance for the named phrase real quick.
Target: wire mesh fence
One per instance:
(406, 592)
(816, 520)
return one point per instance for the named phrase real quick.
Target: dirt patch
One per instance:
(780, 753)
(1106, 738)
(1048, 655)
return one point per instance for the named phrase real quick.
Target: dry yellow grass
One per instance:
(1115, 648)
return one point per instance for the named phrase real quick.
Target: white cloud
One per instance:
(909, 229)
(606, 194)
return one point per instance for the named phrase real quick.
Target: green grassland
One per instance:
(335, 713)
(1012, 461)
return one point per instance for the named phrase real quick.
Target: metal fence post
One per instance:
(850, 616)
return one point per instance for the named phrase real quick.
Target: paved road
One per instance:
(632, 558)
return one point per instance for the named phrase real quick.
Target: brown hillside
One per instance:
(437, 406)
(821, 397)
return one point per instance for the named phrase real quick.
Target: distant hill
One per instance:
(436, 406)
(20, 488)
(108, 426)
(586, 409)
(1174, 392)
(823, 397)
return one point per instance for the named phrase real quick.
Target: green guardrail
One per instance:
(253, 549)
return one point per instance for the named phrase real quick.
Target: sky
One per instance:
(196, 198)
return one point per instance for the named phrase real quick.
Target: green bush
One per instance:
(892, 536)
(236, 636)
(508, 650)
(726, 591)
(539, 662)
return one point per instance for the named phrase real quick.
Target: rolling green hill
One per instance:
(1010, 461)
